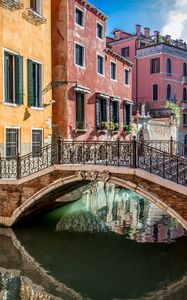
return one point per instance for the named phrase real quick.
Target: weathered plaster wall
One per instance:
(34, 42)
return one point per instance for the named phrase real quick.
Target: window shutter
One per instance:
(104, 110)
(117, 112)
(130, 108)
(18, 79)
(111, 111)
(98, 113)
(6, 94)
(30, 83)
(124, 115)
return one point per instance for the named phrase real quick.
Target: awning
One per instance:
(81, 89)
(128, 101)
(102, 95)
(113, 98)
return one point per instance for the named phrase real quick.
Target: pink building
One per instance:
(96, 89)
(159, 72)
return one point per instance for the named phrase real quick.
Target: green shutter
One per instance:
(124, 115)
(111, 111)
(98, 113)
(18, 79)
(117, 112)
(30, 83)
(6, 81)
(104, 110)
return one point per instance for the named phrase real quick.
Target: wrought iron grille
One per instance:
(11, 4)
(135, 154)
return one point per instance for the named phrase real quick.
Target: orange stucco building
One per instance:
(25, 70)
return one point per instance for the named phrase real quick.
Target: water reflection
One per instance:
(89, 250)
(105, 208)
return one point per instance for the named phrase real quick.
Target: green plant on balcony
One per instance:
(128, 129)
(104, 125)
(175, 110)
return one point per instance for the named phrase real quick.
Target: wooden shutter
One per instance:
(6, 81)
(124, 115)
(98, 113)
(111, 111)
(117, 112)
(104, 110)
(18, 79)
(30, 83)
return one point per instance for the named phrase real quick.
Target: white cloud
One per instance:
(176, 21)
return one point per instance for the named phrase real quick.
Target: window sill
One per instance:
(104, 131)
(33, 17)
(82, 67)
(11, 104)
(102, 75)
(37, 108)
(79, 26)
(81, 130)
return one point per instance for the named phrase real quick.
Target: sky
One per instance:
(166, 16)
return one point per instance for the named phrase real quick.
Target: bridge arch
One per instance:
(56, 188)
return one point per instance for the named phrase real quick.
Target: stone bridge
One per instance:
(35, 183)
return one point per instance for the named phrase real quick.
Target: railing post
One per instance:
(18, 159)
(118, 141)
(134, 153)
(171, 146)
(59, 150)
(177, 170)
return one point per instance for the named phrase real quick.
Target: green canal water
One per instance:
(109, 245)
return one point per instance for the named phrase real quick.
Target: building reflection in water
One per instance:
(103, 207)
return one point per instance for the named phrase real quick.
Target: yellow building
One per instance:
(25, 70)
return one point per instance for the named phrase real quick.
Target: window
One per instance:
(36, 140)
(99, 31)
(36, 5)
(184, 94)
(184, 69)
(155, 92)
(100, 64)
(34, 84)
(127, 114)
(12, 142)
(125, 52)
(168, 92)
(155, 65)
(79, 17)
(185, 145)
(184, 119)
(101, 113)
(113, 71)
(13, 78)
(126, 77)
(114, 113)
(80, 111)
(79, 55)
(168, 66)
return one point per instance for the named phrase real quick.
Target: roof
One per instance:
(118, 56)
(99, 12)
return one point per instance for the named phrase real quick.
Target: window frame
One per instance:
(42, 77)
(39, 12)
(168, 98)
(168, 66)
(101, 55)
(42, 131)
(153, 92)
(184, 125)
(84, 55)
(103, 35)
(114, 63)
(5, 139)
(125, 72)
(76, 127)
(184, 92)
(83, 17)
(151, 65)
(122, 49)
(184, 69)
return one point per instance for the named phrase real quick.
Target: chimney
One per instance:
(147, 32)
(156, 35)
(138, 29)
(117, 34)
(168, 38)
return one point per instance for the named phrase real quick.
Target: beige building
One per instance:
(25, 70)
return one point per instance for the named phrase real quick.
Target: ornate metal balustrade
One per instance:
(135, 154)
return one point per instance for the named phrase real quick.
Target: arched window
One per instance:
(184, 69)
(168, 66)
(168, 93)
(184, 94)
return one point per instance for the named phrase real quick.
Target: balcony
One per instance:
(184, 80)
(33, 17)
(11, 4)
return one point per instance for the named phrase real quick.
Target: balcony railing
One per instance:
(11, 4)
(33, 17)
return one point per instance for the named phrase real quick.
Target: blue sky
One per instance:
(167, 16)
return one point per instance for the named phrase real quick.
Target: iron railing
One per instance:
(134, 154)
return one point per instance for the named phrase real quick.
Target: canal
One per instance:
(111, 244)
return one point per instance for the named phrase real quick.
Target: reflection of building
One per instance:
(125, 212)
(25, 69)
